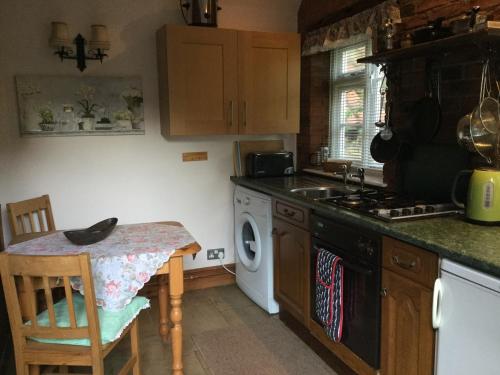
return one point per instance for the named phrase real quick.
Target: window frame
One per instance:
(364, 79)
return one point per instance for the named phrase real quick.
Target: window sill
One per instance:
(373, 180)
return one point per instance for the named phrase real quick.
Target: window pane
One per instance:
(351, 122)
(350, 57)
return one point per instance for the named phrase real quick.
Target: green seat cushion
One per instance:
(111, 323)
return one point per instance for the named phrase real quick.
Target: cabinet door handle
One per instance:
(244, 113)
(402, 264)
(231, 113)
(289, 213)
(384, 292)
(436, 304)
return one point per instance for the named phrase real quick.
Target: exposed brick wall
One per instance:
(314, 114)
(316, 13)
(418, 12)
(460, 81)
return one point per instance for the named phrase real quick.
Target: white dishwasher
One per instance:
(466, 312)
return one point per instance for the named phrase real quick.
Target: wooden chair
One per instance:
(45, 273)
(32, 215)
(2, 243)
(5, 337)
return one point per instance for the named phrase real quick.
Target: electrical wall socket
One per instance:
(215, 253)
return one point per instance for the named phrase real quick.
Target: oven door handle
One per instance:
(359, 269)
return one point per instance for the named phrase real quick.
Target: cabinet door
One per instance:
(407, 343)
(291, 269)
(198, 93)
(269, 82)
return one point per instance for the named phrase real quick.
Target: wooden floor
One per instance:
(204, 310)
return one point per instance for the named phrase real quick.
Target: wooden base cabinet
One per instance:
(291, 268)
(407, 337)
(218, 81)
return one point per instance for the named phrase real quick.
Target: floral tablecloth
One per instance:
(122, 263)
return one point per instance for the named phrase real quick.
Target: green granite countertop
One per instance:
(451, 237)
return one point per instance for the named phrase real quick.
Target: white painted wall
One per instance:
(135, 178)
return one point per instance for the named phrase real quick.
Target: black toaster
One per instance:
(269, 164)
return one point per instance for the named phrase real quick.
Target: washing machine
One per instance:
(254, 247)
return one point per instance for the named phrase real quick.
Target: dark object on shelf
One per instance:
(93, 234)
(432, 31)
(200, 12)
(487, 38)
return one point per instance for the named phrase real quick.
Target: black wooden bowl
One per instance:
(93, 234)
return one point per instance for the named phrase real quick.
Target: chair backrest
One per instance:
(29, 273)
(31, 215)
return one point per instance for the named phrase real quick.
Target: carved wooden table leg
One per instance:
(163, 307)
(176, 290)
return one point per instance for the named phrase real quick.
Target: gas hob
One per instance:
(392, 207)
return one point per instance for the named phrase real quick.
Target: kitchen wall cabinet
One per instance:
(269, 70)
(216, 81)
(291, 265)
(198, 71)
(407, 337)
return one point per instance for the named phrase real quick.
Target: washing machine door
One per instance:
(248, 242)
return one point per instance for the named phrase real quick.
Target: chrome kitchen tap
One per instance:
(343, 173)
(361, 176)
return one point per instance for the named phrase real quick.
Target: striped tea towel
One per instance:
(330, 293)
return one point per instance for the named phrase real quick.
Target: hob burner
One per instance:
(392, 207)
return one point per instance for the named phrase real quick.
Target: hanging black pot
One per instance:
(383, 151)
(426, 113)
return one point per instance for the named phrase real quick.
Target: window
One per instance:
(354, 105)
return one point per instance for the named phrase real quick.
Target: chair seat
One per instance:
(111, 323)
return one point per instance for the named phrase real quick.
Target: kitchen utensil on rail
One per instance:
(484, 140)
(426, 118)
(483, 196)
(463, 133)
(383, 92)
(385, 147)
(488, 105)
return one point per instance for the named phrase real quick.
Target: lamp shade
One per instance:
(99, 37)
(60, 35)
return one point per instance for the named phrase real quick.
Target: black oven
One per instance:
(361, 258)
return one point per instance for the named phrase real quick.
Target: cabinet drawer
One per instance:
(291, 213)
(410, 261)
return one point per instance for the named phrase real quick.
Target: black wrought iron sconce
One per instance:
(98, 44)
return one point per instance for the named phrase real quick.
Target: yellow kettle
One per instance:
(483, 196)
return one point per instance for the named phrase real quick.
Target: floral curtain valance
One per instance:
(350, 29)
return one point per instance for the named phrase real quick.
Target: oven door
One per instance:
(361, 304)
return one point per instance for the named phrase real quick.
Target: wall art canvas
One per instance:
(73, 105)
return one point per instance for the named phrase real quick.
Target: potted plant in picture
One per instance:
(134, 100)
(87, 112)
(47, 122)
(124, 119)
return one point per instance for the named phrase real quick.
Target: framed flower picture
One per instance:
(75, 105)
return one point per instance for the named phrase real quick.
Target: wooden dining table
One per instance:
(170, 288)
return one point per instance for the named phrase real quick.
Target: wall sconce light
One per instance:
(98, 44)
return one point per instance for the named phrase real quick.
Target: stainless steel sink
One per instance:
(319, 192)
